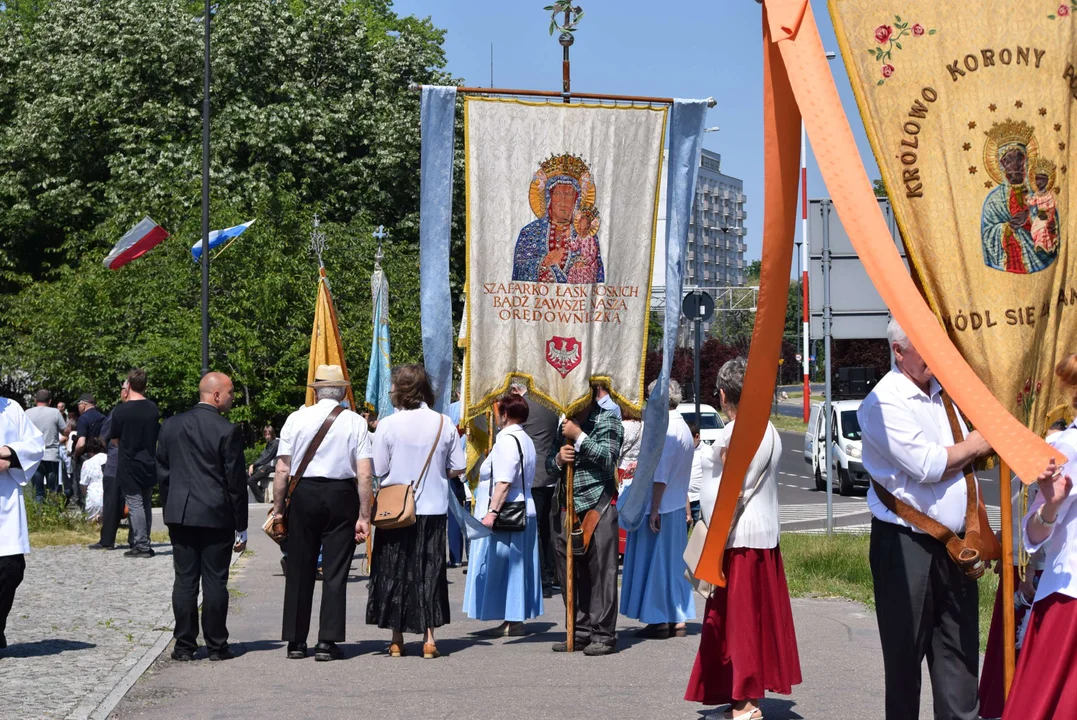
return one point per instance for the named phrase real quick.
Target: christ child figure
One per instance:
(1043, 207)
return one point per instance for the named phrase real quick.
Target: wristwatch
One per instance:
(1040, 519)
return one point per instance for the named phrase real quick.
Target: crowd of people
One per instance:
(927, 541)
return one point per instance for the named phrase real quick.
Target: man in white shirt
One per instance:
(329, 509)
(21, 448)
(926, 605)
(702, 468)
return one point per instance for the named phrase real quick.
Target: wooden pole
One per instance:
(570, 562)
(1008, 631)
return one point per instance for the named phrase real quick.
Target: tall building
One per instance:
(716, 233)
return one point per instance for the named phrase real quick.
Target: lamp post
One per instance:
(205, 195)
(804, 263)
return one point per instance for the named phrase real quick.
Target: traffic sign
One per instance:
(799, 357)
(698, 305)
(812, 358)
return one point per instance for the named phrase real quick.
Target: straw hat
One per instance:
(329, 376)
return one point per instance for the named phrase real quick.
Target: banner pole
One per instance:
(1008, 632)
(570, 564)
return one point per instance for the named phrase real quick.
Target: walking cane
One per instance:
(570, 563)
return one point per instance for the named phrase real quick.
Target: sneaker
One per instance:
(99, 546)
(135, 553)
(182, 656)
(297, 651)
(225, 653)
(326, 651)
(595, 649)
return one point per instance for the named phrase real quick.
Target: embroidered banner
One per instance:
(562, 202)
(968, 113)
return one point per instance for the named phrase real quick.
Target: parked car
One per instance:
(711, 421)
(845, 443)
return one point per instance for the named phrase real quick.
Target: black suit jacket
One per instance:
(201, 470)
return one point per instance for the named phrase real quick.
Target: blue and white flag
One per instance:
(219, 237)
(378, 377)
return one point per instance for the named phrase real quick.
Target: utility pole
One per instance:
(205, 195)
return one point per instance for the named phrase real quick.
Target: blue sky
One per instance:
(677, 48)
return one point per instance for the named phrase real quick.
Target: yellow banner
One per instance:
(968, 112)
(326, 347)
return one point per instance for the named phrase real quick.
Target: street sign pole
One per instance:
(698, 306)
(830, 472)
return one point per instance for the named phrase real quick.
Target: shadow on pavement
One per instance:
(773, 709)
(44, 648)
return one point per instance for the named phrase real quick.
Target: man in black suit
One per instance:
(204, 491)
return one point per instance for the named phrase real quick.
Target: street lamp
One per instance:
(830, 55)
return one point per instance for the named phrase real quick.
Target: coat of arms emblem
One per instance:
(563, 354)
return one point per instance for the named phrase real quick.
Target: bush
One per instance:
(52, 514)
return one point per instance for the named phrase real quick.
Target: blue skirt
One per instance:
(653, 586)
(503, 576)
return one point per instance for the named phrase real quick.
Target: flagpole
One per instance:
(205, 196)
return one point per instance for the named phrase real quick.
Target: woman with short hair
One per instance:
(409, 589)
(748, 645)
(503, 579)
(653, 587)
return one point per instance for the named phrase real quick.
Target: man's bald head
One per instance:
(216, 389)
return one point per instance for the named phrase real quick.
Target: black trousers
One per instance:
(926, 607)
(596, 582)
(112, 511)
(322, 514)
(12, 568)
(200, 556)
(544, 498)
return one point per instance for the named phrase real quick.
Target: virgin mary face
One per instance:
(1013, 164)
(562, 204)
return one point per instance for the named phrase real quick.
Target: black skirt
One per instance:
(408, 589)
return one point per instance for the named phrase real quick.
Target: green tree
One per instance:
(100, 124)
(879, 187)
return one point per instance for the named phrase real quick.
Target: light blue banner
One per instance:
(685, 145)
(379, 374)
(438, 115)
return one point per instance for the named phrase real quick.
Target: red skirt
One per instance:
(991, 695)
(748, 645)
(1043, 686)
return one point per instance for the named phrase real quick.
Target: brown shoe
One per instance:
(430, 651)
(396, 650)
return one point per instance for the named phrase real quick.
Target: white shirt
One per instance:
(630, 445)
(759, 525)
(503, 466)
(675, 465)
(702, 467)
(92, 478)
(905, 434)
(28, 444)
(401, 446)
(1060, 546)
(346, 443)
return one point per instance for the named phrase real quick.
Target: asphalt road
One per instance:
(803, 507)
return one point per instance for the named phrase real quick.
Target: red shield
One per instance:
(563, 354)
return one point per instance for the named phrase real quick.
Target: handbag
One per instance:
(512, 517)
(694, 550)
(394, 505)
(277, 527)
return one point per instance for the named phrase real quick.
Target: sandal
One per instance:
(430, 651)
(396, 650)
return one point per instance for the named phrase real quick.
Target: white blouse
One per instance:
(759, 525)
(503, 465)
(402, 443)
(675, 465)
(1060, 547)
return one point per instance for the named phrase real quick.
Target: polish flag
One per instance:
(138, 241)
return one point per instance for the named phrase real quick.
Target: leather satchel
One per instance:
(277, 527)
(585, 529)
(512, 517)
(977, 545)
(394, 505)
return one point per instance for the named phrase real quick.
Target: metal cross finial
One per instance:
(379, 234)
(317, 241)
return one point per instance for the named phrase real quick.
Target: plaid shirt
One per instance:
(596, 460)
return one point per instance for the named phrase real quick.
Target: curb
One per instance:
(106, 706)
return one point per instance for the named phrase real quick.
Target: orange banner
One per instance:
(326, 347)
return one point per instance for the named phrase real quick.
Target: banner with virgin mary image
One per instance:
(562, 202)
(970, 117)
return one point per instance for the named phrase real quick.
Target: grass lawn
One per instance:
(51, 523)
(837, 566)
(790, 424)
(800, 394)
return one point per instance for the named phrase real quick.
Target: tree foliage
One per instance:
(101, 123)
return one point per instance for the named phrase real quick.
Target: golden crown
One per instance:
(1041, 166)
(564, 165)
(1010, 132)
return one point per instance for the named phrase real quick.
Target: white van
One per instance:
(711, 421)
(845, 443)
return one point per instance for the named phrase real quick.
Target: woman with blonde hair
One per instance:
(409, 589)
(1043, 685)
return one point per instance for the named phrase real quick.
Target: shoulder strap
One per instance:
(313, 448)
(972, 516)
(520, 450)
(434, 447)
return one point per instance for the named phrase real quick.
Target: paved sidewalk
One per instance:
(481, 678)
